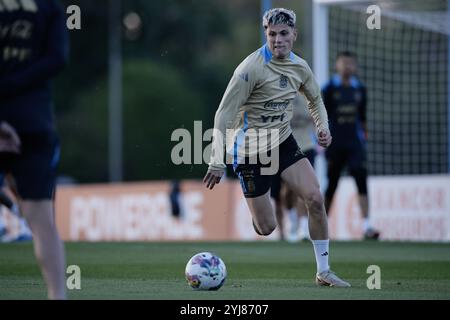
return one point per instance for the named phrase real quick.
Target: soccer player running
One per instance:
(259, 98)
(34, 44)
(345, 100)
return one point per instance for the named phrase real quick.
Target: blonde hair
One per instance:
(279, 16)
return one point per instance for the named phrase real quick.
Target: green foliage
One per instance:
(157, 100)
(83, 132)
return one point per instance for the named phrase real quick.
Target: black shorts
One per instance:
(34, 170)
(276, 182)
(255, 184)
(354, 156)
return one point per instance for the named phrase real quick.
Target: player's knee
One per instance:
(314, 201)
(267, 227)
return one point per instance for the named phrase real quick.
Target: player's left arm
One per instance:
(50, 63)
(311, 90)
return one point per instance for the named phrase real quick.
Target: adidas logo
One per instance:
(299, 152)
(324, 254)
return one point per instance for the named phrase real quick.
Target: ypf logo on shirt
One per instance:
(283, 81)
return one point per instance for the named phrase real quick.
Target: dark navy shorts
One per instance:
(354, 156)
(255, 184)
(34, 170)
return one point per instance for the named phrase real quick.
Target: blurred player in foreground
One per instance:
(345, 99)
(259, 96)
(34, 49)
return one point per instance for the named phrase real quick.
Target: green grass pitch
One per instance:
(256, 270)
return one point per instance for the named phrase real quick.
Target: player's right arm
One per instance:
(238, 90)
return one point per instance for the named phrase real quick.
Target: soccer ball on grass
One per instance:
(205, 271)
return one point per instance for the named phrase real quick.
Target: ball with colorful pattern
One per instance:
(205, 271)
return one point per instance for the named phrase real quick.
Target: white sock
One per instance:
(366, 224)
(321, 250)
(304, 228)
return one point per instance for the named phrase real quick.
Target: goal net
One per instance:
(404, 66)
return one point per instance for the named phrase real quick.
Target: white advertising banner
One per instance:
(403, 208)
(413, 208)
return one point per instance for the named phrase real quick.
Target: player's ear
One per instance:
(295, 34)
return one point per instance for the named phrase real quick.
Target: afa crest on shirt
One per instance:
(283, 81)
(251, 186)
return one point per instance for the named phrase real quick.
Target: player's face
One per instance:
(346, 66)
(280, 39)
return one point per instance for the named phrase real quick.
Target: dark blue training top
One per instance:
(33, 49)
(346, 108)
